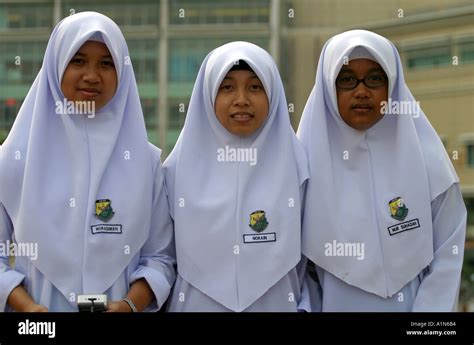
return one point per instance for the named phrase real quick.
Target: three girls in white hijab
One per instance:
(80, 186)
(384, 218)
(236, 182)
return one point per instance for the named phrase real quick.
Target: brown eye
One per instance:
(226, 87)
(256, 87)
(346, 82)
(108, 63)
(77, 61)
(346, 79)
(375, 80)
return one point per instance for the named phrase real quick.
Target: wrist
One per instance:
(26, 306)
(130, 304)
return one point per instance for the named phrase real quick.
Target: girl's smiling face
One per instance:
(90, 75)
(241, 104)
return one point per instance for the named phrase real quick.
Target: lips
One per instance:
(89, 91)
(362, 107)
(242, 116)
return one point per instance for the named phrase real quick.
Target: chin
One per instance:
(240, 133)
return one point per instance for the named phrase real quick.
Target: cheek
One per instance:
(263, 106)
(114, 83)
(381, 97)
(342, 103)
(111, 82)
(265, 109)
(67, 83)
(219, 106)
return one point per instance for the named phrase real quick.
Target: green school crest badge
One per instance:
(258, 222)
(103, 209)
(398, 210)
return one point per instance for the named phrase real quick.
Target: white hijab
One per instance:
(355, 174)
(70, 161)
(213, 200)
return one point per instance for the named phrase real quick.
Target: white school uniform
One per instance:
(391, 189)
(223, 263)
(56, 169)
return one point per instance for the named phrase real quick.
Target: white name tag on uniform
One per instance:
(409, 225)
(107, 228)
(257, 238)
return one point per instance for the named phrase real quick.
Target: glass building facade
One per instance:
(25, 27)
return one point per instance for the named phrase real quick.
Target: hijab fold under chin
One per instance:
(354, 175)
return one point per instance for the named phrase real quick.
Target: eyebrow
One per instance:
(373, 69)
(103, 56)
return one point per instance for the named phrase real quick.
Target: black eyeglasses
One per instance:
(371, 81)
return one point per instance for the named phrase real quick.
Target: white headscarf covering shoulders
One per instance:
(67, 162)
(212, 201)
(354, 174)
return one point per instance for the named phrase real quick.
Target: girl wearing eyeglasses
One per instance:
(384, 219)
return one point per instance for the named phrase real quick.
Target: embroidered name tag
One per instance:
(107, 228)
(401, 227)
(268, 237)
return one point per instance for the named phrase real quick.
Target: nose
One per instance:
(361, 91)
(91, 75)
(241, 98)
